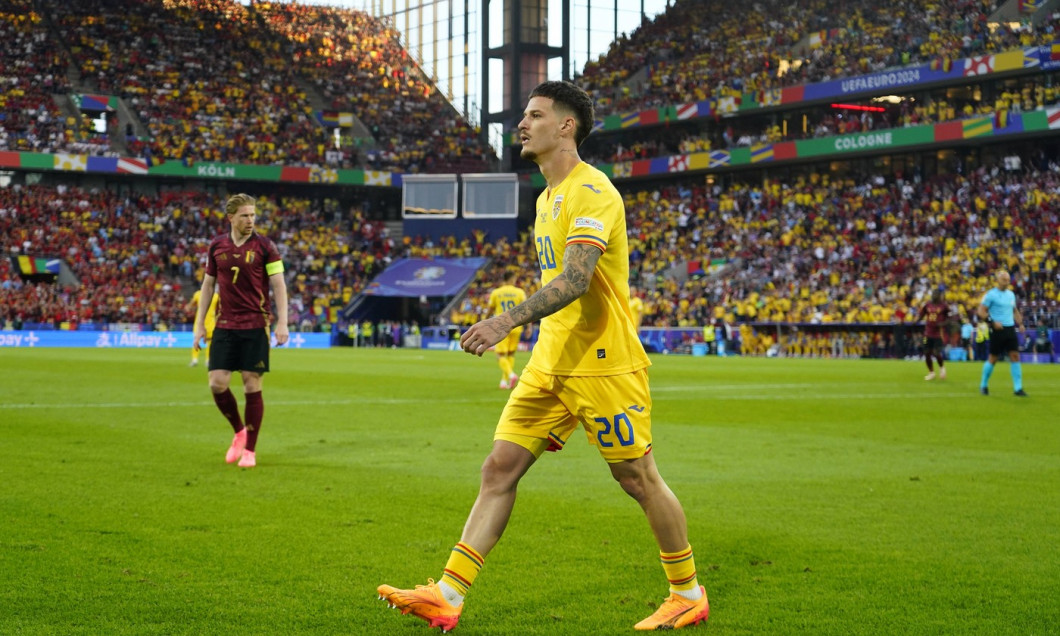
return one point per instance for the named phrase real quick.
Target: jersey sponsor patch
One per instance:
(584, 221)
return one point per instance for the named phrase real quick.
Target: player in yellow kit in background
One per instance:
(211, 321)
(502, 299)
(636, 308)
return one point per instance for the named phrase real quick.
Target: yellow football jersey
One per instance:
(211, 311)
(636, 309)
(504, 298)
(594, 335)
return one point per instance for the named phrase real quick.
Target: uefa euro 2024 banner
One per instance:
(412, 277)
(135, 339)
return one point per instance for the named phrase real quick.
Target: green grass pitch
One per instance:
(823, 497)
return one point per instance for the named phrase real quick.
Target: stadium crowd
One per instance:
(214, 80)
(657, 141)
(812, 251)
(357, 63)
(32, 71)
(205, 83)
(136, 257)
(820, 251)
(217, 80)
(707, 49)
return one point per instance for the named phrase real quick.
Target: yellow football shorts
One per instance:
(510, 344)
(615, 411)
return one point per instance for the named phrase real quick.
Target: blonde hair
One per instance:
(237, 201)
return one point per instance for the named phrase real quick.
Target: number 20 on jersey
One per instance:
(545, 254)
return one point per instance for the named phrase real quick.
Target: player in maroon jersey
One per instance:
(243, 266)
(934, 313)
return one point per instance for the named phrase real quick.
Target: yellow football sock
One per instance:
(462, 568)
(506, 366)
(194, 355)
(680, 568)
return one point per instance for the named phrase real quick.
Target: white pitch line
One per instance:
(729, 387)
(801, 397)
(140, 405)
(710, 393)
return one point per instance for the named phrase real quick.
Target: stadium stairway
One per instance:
(188, 285)
(396, 230)
(66, 106)
(1009, 11)
(78, 83)
(126, 117)
(318, 102)
(313, 96)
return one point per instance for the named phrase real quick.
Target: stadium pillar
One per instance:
(525, 52)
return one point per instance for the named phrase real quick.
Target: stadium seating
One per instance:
(32, 69)
(217, 80)
(653, 142)
(358, 64)
(709, 48)
(205, 83)
(214, 80)
(811, 251)
(816, 251)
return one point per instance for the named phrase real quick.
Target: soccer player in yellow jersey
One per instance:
(211, 320)
(587, 369)
(636, 308)
(502, 299)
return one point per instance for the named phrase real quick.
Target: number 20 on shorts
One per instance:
(620, 429)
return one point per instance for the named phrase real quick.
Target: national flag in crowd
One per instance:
(329, 118)
(1001, 119)
(30, 265)
(67, 161)
(943, 64)
(132, 165)
(1030, 6)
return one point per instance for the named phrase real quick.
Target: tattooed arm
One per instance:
(579, 263)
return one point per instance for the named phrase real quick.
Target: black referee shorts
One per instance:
(1003, 340)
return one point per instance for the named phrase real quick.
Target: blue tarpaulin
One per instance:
(415, 277)
(413, 289)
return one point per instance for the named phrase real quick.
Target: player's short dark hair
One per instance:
(573, 99)
(237, 201)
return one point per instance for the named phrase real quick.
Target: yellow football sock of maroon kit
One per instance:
(460, 572)
(680, 568)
